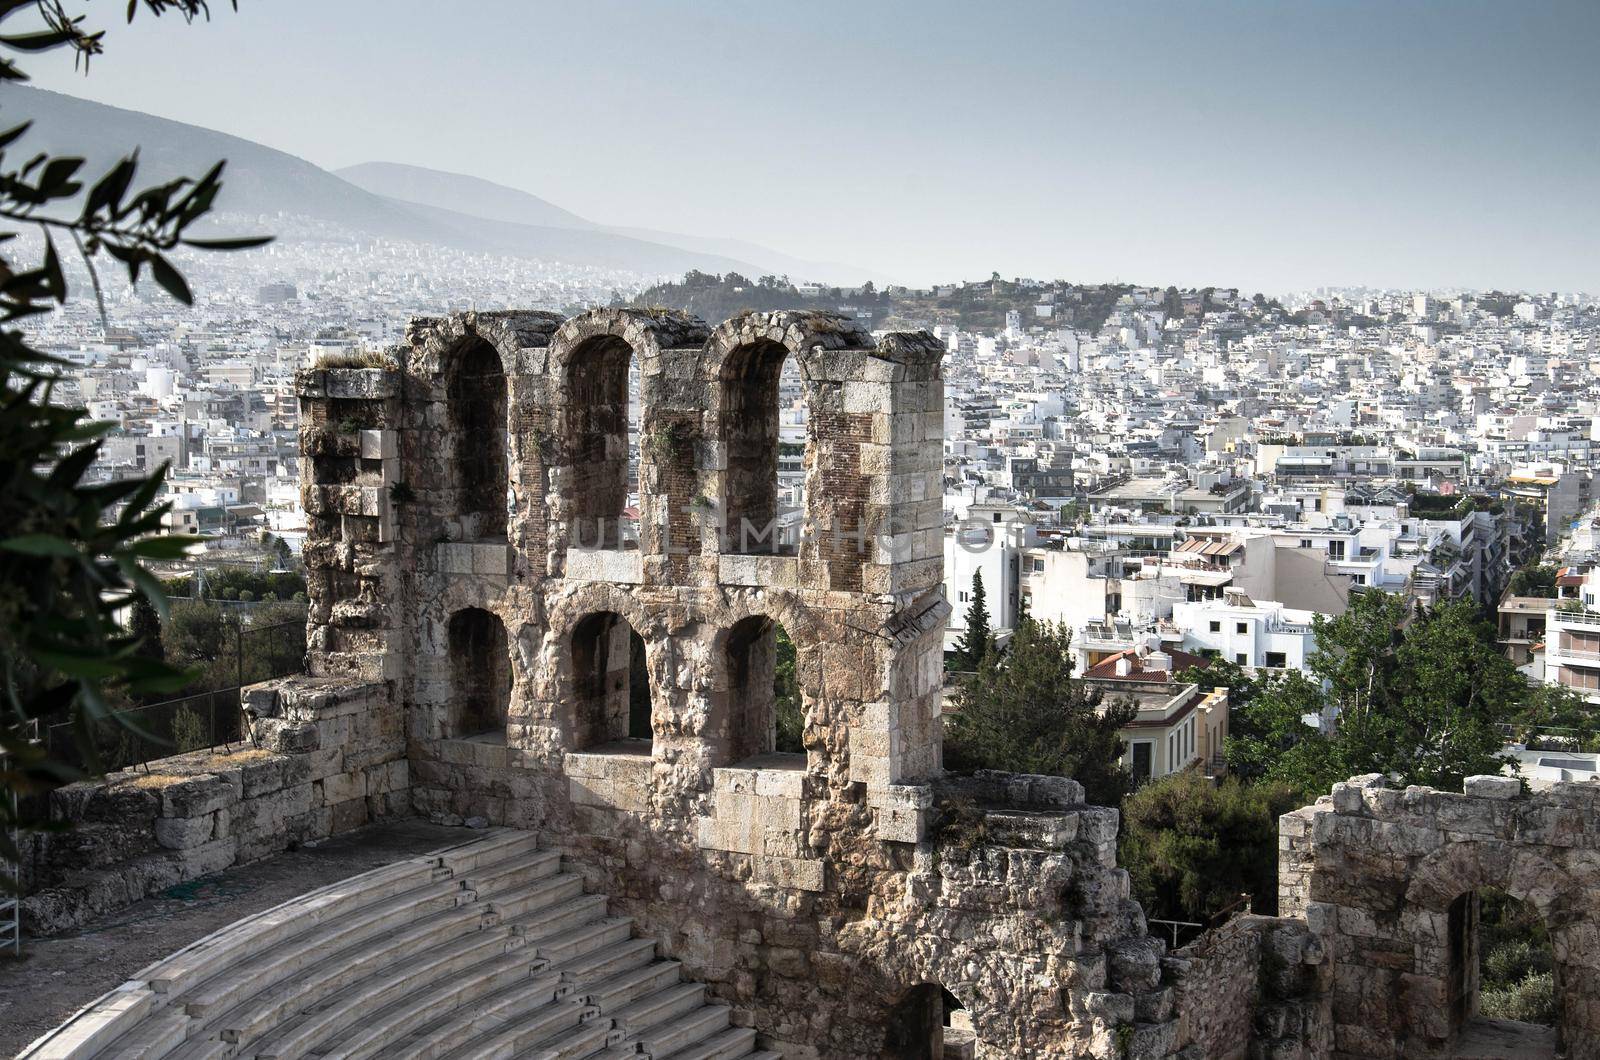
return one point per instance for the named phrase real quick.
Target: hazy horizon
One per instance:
(1424, 145)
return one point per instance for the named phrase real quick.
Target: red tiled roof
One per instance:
(1107, 668)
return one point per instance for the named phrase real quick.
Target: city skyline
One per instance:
(1235, 144)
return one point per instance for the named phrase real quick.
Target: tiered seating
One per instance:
(485, 950)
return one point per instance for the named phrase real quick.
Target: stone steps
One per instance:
(486, 949)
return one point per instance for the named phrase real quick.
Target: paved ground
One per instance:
(56, 976)
(1505, 1040)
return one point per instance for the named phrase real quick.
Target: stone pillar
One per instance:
(351, 486)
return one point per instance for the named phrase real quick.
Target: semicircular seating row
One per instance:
(485, 950)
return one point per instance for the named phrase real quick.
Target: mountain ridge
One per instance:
(264, 181)
(475, 196)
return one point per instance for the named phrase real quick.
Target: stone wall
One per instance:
(1255, 986)
(1382, 882)
(328, 758)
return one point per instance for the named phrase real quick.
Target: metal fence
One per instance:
(154, 730)
(200, 719)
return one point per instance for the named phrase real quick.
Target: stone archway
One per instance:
(1383, 876)
(476, 388)
(928, 1023)
(608, 665)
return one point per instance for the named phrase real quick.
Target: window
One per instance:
(761, 711)
(1305, 542)
(1241, 627)
(1276, 660)
(1336, 550)
(1575, 677)
(597, 440)
(997, 517)
(480, 674)
(1143, 753)
(752, 385)
(1241, 658)
(1216, 627)
(611, 682)
(476, 393)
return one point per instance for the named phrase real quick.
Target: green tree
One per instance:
(786, 697)
(1192, 846)
(1533, 579)
(1022, 712)
(1557, 716)
(1420, 697)
(144, 625)
(71, 560)
(977, 643)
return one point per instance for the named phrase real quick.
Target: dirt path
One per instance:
(1487, 1039)
(56, 976)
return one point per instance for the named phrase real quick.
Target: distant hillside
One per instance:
(482, 198)
(980, 306)
(463, 194)
(266, 182)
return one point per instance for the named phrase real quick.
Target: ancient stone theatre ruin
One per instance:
(491, 638)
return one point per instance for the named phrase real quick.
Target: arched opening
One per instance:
(761, 710)
(1503, 987)
(480, 675)
(763, 424)
(611, 697)
(602, 429)
(477, 402)
(928, 1023)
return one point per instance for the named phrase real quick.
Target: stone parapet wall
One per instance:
(325, 761)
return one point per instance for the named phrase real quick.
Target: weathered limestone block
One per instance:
(1493, 787)
(181, 833)
(196, 796)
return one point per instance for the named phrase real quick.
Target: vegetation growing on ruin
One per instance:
(358, 359)
(72, 558)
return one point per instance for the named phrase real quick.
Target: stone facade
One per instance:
(817, 891)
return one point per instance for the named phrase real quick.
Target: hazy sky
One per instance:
(1270, 145)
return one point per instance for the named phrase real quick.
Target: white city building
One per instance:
(1254, 633)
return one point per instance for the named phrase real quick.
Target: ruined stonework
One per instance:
(816, 891)
(337, 761)
(1388, 881)
(493, 637)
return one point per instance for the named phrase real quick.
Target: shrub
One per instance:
(1533, 1000)
(188, 731)
(361, 359)
(1512, 962)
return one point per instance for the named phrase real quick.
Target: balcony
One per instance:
(1559, 617)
